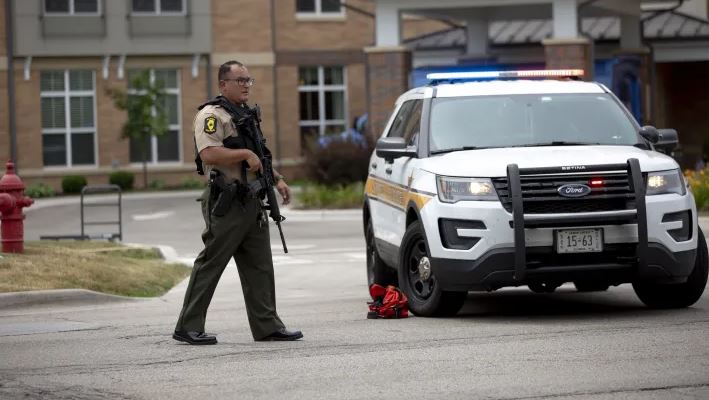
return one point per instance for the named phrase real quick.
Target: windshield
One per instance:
(528, 120)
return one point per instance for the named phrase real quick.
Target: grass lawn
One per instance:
(100, 266)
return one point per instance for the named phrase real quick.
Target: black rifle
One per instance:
(248, 124)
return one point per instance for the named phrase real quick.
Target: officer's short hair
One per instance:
(225, 68)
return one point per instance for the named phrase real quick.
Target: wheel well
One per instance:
(365, 216)
(411, 216)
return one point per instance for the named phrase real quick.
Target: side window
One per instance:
(413, 123)
(399, 125)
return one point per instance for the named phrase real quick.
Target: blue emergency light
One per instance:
(451, 77)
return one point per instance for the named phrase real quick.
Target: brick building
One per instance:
(307, 58)
(318, 64)
(653, 54)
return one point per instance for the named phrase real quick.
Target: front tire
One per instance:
(377, 271)
(657, 295)
(418, 282)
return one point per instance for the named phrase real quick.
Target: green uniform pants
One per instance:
(236, 234)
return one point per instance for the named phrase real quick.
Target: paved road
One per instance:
(507, 344)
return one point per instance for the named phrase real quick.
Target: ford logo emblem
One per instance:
(574, 190)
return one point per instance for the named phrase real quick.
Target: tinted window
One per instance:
(519, 120)
(331, 5)
(56, 6)
(413, 123)
(305, 5)
(88, 6)
(144, 5)
(398, 126)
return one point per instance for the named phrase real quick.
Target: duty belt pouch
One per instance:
(220, 198)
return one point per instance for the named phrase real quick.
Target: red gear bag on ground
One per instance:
(388, 303)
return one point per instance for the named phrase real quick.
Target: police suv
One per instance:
(484, 180)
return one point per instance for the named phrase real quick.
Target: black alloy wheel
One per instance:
(418, 281)
(418, 267)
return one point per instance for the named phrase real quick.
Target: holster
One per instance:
(223, 194)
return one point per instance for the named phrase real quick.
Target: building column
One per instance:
(567, 49)
(388, 70)
(388, 67)
(635, 60)
(388, 24)
(477, 36)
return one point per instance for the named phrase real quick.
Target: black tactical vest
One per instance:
(247, 125)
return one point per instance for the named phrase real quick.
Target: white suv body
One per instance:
(465, 193)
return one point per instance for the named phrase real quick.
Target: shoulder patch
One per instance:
(210, 124)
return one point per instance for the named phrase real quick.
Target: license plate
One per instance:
(579, 241)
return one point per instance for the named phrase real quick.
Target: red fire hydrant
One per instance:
(12, 201)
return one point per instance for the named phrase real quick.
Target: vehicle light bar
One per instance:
(541, 73)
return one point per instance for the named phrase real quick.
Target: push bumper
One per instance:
(496, 268)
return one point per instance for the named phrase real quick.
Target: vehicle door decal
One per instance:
(394, 194)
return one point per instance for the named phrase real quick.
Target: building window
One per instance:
(72, 7)
(68, 118)
(323, 93)
(164, 148)
(319, 7)
(153, 7)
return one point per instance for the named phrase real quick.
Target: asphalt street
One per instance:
(503, 345)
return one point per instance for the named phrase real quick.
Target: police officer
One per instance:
(238, 232)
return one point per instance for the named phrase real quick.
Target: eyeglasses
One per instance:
(242, 81)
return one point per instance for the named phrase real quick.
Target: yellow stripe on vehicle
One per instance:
(393, 194)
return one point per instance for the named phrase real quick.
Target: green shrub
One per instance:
(192, 183)
(337, 196)
(340, 163)
(157, 184)
(39, 190)
(699, 183)
(123, 179)
(73, 183)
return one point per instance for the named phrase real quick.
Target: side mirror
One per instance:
(650, 133)
(668, 140)
(394, 147)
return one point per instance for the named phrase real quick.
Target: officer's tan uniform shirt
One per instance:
(211, 126)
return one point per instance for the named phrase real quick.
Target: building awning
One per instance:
(657, 26)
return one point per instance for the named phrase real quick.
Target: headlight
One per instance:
(451, 189)
(663, 182)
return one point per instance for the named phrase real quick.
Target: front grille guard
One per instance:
(635, 177)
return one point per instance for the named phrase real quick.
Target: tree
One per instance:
(145, 104)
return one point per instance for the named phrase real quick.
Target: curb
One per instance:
(63, 297)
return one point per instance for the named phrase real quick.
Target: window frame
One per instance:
(72, 12)
(321, 88)
(153, 160)
(158, 10)
(67, 131)
(319, 13)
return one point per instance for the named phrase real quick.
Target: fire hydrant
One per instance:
(12, 201)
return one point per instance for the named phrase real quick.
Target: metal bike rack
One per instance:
(117, 202)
